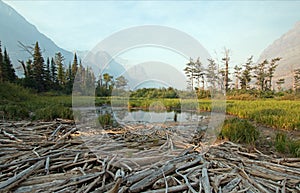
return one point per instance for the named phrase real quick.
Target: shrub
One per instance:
(239, 130)
(52, 112)
(14, 111)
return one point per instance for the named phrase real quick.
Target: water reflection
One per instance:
(122, 115)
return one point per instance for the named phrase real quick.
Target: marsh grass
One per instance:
(239, 130)
(284, 144)
(282, 114)
(18, 103)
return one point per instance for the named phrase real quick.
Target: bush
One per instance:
(239, 130)
(14, 112)
(52, 112)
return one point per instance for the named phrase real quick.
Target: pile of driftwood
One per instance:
(53, 157)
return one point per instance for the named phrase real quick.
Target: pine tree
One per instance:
(53, 74)
(261, 74)
(60, 68)
(190, 73)
(69, 80)
(1, 65)
(246, 74)
(89, 86)
(38, 69)
(296, 80)
(199, 74)
(211, 74)
(74, 67)
(271, 70)
(237, 73)
(9, 72)
(48, 75)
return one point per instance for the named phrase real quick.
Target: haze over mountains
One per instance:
(15, 27)
(288, 48)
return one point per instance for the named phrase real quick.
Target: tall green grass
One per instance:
(239, 130)
(17, 103)
(283, 114)
(284, 144)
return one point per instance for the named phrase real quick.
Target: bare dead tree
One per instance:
(226, 60)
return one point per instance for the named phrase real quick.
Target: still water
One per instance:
(142, 116)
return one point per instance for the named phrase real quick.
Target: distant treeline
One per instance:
(52, 74)
(248, 78)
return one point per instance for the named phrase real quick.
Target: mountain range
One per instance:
(15, 28)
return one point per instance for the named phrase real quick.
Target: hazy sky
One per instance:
(244, 27)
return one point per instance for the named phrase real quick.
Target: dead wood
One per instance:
(55, 157)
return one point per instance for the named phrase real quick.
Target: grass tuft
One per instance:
(239, 130)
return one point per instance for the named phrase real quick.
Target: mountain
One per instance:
(147, 74)
(15, 28)
(101, 62)
(288, 48)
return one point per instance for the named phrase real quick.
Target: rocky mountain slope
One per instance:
(15, 28)
(288, 48)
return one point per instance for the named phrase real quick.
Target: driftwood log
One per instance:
(53, 157)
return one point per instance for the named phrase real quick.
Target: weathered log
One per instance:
(138, 176)
(205, 180)
(179, 188)
(231, 185)
(10, 183)
(147, 181)
(10, 136)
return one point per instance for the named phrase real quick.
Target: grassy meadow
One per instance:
(17, 103)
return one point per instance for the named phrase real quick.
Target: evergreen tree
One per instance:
(261, 74)
(199, 74)
(1, 65)
(89, 87)
(237, 73)
(211, 74)
(69, 80)
(53, 73)
(297, 80)
(246, 74)
(271, 70)
(60, 68)
(48, 75)
(190, 73)
(10, 71)
(38, 69)
(74, 67)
